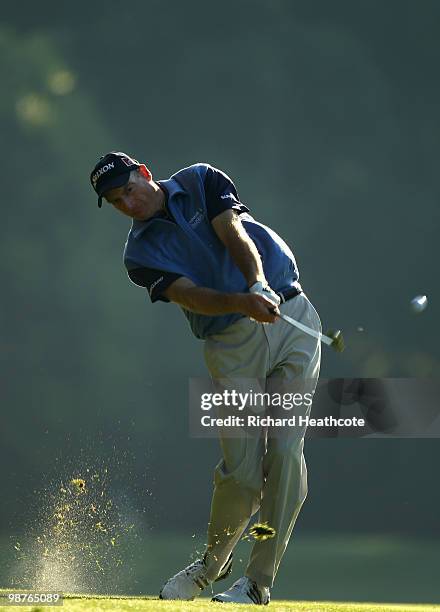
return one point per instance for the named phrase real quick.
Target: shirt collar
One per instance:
(166, 210)
(170, 188)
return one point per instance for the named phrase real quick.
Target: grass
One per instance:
(328, 568)
(78, 603)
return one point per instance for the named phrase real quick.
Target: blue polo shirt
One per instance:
(181, 242)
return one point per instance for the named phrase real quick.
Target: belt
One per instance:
(290, 293)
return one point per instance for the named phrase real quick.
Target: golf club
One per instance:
(334, 339)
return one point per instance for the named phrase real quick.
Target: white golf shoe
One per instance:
(191, 581)
(245, 591)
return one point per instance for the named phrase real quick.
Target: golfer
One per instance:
(194, 243)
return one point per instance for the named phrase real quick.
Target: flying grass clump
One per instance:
(262, 531)
(78, 484)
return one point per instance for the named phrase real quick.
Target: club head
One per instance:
(338, 343)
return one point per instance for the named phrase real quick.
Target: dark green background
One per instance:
(325, 114)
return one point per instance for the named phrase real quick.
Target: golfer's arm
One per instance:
(241, 247)
(202, 299)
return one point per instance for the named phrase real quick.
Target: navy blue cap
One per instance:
(111, 171)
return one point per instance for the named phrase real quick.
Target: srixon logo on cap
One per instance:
(102, 171)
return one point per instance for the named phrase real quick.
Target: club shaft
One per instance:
(306, 330)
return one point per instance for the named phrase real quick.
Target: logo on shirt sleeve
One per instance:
(228, 196)
(153, 285)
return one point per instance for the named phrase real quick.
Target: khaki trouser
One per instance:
(259, 470)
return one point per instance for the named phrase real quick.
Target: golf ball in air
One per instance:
(419, 303)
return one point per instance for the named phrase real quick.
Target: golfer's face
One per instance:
(134, 199)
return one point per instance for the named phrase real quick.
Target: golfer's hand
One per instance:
(259, 308)
(266, 291)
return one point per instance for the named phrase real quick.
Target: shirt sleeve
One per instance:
(155, 281)
(221, 194)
